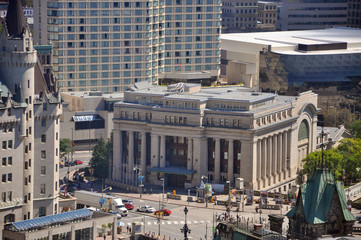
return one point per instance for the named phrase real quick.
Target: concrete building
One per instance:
(239, 15)
(24, 94)
(183, 132)
(109, 45)
(314, 14)
(87, 116)
(293, 60)
(354, 14)
(267, 15)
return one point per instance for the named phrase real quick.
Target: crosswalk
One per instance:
(165, 222)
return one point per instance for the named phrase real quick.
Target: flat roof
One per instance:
(287, 41)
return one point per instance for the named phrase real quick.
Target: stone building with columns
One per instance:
(183, 132)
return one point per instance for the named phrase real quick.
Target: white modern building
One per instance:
(290, 61)
(314, 14)
(184, 133)
(110, 45)
(29, 115)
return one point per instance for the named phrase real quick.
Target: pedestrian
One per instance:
(127, 229)
(104, 236)
(256, 209)
(130, 230)
(150, 191)
(144, 190)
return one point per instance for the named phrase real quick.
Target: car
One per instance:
(192, 190)
(146, 208)
(78, 162)
(69, 163)
(129, 206)
(119, 216)
(61, 182)
(166, 212)
(128, 201)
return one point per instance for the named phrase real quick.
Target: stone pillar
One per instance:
(259, 163)
(190, 154)
(249, 163)
(154, 150)
(162, 151)
(230, 161)
(116, 155)
(217, 161)
(270, 159)
(143, 154)
(263, 162)
(72, 232)
(284, 154)
(289, 138)
(274, 160)
(120, 169)
(279, 159)
(130, 172)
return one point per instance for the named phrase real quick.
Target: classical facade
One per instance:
(24, 93)
(184, 132)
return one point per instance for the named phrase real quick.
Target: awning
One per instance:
(172, 170)
(86, 118)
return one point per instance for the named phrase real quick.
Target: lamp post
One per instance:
(229, 197)
(162, 193)
(104, 189)
(206, 189)
(185, 228)
(139, 173)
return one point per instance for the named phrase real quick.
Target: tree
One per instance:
(65, 146)
(100, 158)
(343, 161)
(355, 128)
(334, 117)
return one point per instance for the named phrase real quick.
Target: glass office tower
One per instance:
(108, 45)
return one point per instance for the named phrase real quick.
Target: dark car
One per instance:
(192, 190)
(69, 163)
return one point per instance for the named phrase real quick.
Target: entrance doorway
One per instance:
(175, 180)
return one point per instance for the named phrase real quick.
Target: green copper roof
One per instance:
(43, 48)
(316, 197)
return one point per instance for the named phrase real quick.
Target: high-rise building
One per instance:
(239, 15)
(354, 14)
(23, 95)
(109, 45)
(314, 14)
(267, 15)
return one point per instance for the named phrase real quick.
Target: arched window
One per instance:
(303, 132)
(9, 218)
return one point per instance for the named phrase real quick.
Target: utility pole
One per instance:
(206, 231)
(162, 193)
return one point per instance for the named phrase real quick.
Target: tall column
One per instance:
(130, 159)
(270, 159)
(217, 161)
(230, 160)
(279, 158)
(284, 154)
(162, 151)
(143, 154)
(263, 162)
(259, 163)
(120, 169)
(289, 138)
(190, 154)
(116, 154)
(274, 160)
(154, 150)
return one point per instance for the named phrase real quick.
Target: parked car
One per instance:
(69, 163)
(128, 201)
(78, 162)
(146, 208)
(192, 190)
(61, 182)
(129, 206)
(166, 212)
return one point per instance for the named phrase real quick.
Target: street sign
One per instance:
(101, 201)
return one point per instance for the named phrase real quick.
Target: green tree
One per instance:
(350, 149)
(355, 128)
(100, 158)
(65, 146)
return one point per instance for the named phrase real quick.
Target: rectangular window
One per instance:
(4, 161)
(43, 170)
(10, 177)
(4, 144)
(10, 144)
(43, 122)
(42, 188)
(43, 154)
(43, 138)
(10, 196)
(10, 160)
(3, 178)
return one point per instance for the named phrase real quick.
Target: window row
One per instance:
(136, 115)
(175, 120)
(7, 161)
(7, 144)
(6, 177)
(6, 128)
(6, 196)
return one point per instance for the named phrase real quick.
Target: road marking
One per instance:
(202, 222)
(155, 223)
(195, 222)
(149, 223)
(175, 222)
(163, 223)
(169, 222)
(142, 223)
(208, 221)
(182, 222)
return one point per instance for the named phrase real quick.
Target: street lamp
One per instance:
(206, 189)
(229, 197)
(140, 177)
(162, 193)
(104, 189)
(185, 228)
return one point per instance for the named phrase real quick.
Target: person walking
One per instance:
(150, 191)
